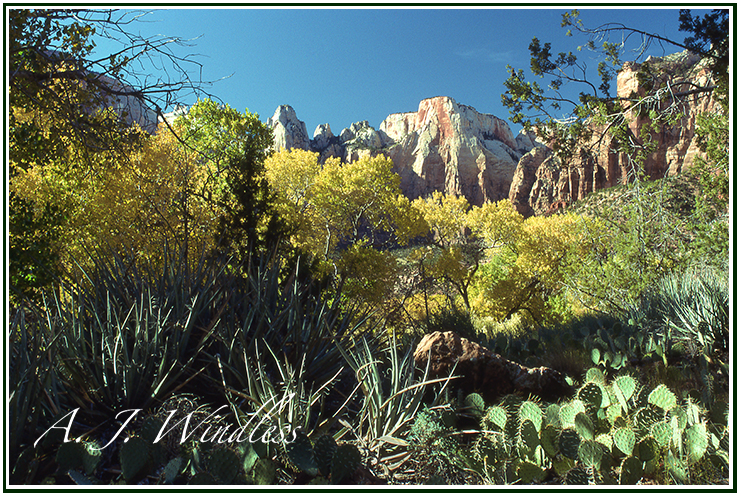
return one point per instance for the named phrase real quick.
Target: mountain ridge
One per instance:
(451, 147)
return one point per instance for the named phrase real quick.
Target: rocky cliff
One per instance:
(450, 147)
(542, 182)
(442, 146)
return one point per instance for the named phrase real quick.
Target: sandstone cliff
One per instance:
(543, 182)
(443, 146)
(450, 147)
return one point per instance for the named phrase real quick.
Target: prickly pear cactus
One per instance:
(91, 457)
(590, 453)
(591, 395)
(301, 454)
(631, 471)
(662, 398)
(324, 449)
(625, 440)
(70, 456)
(568, 443)
(696, 441)
(264, 472)
(135, 456)
(345, 461)
(475, 404)
(531, 411)
(224, 464)
(495, 418)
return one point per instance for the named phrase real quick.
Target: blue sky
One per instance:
(339, 66)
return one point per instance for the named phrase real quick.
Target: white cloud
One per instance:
(481, 53)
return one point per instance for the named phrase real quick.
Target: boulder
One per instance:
(484, 371)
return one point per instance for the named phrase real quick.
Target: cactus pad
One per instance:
(591, 395)
(91, 457)
(475, 404)
(594, 375)
(264, 472)
(548, 437)
(568, 443)
(584, 426)
(496, 416)
(528, 472)
(150, 429)
(696, 441)
(662, 433)
(301, 454)
(648, 449)
(324, 449)
(590, 453)
(625, 440)
(529, 436)
(224, 464)
(135, 456)
(631, 471)
(676, 467)
(345, 461)
(662, 398)
(70, 456)
(577, 476)
(645, 417)
(529, 410)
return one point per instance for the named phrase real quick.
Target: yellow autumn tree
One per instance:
(456, 253)
(524, 275)
(346, 215)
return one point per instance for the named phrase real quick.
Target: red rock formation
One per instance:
(449, 147)
(542, 180)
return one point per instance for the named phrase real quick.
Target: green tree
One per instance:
(230, 148)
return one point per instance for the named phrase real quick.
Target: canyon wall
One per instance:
(450, 147)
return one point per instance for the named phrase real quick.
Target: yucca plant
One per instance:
(287, 402)
(695, 303)
(130, 336)
(392, 396)
(35, 395)
(286, 319)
